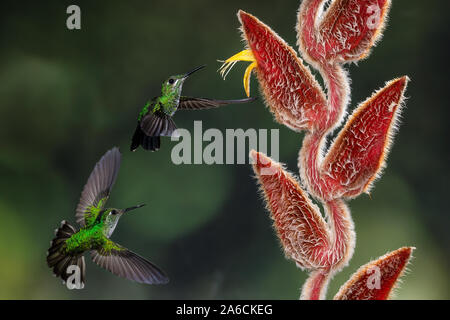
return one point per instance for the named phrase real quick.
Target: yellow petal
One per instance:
(247, 74)
(245, 55)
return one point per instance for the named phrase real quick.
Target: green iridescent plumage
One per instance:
(97, 225)
(93, 235)
(155, 118)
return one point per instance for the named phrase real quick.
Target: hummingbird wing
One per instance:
(96, 191)
(190, 103)
(157, 124)
(127, 264)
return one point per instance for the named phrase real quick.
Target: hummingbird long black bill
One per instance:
(132, 208)
(195, 70)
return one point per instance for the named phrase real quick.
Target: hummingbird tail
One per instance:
(147, 142)
(64, 264)
(137, 138)
(148, 132)
(151, 143)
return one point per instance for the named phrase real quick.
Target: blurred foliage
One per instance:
(68, 96)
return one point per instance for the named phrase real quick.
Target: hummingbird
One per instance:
(97, 223)
(155, 119)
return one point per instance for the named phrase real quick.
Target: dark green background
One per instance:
(68, 96)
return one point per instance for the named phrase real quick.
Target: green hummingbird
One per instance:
(155, 119)
(97, 225)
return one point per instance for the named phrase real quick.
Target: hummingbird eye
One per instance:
(113, 212)
(171, 81)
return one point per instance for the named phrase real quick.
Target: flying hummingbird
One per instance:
(155, 119)
(97, 225)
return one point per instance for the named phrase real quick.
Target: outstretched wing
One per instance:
(127, 264)
(96, 191)
(189, 103)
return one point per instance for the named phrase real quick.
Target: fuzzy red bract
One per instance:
(292, 93)
(358, 153)
(351, 27)
(304, 234)
(299, 225)
(346, 31)
(377, 279)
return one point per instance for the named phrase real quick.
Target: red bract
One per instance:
(299, 225)
(327, 37)
(291, 92)
(303, 232)
(346, 32)
(358, 154)
(377, 279)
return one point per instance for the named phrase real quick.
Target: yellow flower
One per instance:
(245, 55)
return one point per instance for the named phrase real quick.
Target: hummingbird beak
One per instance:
(191, 72)
(132, 208)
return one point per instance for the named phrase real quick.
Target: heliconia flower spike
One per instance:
(290, 90)
(330, 33)
(377, 279)
(345, 32)
(304, 234)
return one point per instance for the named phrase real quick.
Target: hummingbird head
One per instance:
(174, 84)
(111, 217)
